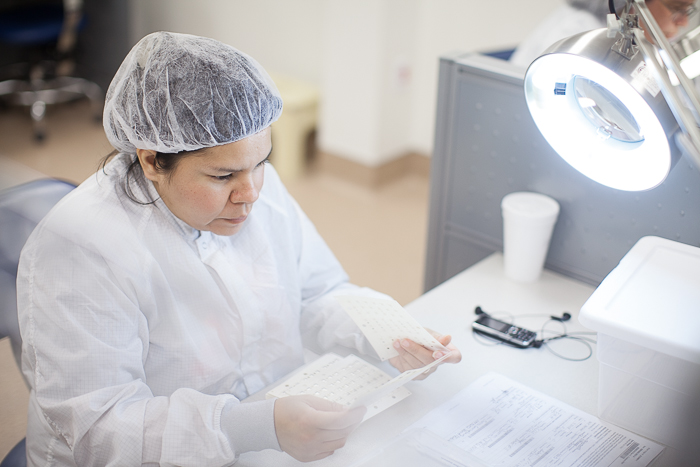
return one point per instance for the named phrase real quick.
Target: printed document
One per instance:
(503, 423)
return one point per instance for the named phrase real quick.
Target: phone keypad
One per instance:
(513, 334)
(520, 334)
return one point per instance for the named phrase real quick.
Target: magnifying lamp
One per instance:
(605, 101)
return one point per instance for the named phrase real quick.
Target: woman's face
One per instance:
(670, 14)
(214, 190)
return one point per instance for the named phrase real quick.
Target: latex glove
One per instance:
(412, 355)
(310, 428)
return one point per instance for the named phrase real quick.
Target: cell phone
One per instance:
(503, 331)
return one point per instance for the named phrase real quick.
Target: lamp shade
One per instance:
(603, 113)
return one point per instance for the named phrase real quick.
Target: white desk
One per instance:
(449, 308)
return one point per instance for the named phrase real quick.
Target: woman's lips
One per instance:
(235, 220)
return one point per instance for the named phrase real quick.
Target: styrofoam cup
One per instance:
(528, 222)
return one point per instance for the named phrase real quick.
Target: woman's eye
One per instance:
(222, 178)
(263, 162)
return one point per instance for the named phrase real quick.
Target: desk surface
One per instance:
(449, 308)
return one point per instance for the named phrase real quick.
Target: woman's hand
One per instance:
(310, 428)
(412, 355)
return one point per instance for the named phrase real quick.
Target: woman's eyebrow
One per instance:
(680, 5)
(227, 170)
(266, 157)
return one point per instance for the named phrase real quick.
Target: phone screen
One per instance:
(494, 323)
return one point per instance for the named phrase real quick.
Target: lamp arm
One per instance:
(687, 122)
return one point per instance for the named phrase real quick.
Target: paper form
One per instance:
(395, 383)
(350, 381)
(343, 380)
(384, 321)
(505, 424)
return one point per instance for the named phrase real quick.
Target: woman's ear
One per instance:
(147, 159)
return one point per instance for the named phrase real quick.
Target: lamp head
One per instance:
(603, 112)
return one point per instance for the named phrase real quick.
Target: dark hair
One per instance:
(165, 163)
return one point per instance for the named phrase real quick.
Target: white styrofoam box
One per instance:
(647, 392)
(647, 315)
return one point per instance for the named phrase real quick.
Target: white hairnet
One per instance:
(178, 92)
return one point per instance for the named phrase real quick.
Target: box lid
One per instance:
(652, 298)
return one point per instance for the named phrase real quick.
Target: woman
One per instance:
(175, 283)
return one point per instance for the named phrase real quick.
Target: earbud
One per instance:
(564, 317)
(478, 311)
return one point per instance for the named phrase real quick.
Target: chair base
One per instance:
(38, 94)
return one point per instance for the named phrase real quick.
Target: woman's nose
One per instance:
(682, 20)
(245, 192)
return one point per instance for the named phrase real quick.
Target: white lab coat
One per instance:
(564, 22)
(141, 334)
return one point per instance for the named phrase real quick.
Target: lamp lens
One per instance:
(605, 111)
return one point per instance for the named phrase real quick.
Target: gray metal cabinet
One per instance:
(487, 145)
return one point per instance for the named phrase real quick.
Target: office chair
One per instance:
(53, 28)
(21, 209)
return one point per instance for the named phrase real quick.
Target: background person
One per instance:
(578, 16)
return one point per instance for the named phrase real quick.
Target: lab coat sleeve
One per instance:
(85, 346)
(323, 278)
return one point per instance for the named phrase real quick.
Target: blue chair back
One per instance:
(17, 457)
(21, 209)
(31, 25)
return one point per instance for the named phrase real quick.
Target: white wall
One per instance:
(285, 36)
(459, 25)
(350, 97)
(366, 84)
(375, 61)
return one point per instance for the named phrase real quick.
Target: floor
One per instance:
(379, 234)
